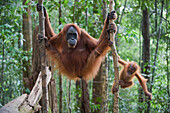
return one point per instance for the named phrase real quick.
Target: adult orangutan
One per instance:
(76, 53)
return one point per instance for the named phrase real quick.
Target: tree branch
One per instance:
(116, 67)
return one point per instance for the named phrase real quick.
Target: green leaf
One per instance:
(27, 90)
(6, 89)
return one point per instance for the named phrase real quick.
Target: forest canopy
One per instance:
(143, 36)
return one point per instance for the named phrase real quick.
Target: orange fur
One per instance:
(129, 71)
(82, 61)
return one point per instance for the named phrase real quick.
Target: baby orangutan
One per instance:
(131, 69)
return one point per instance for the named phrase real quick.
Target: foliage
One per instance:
(129, 45)
(10, 51)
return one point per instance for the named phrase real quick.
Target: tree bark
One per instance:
(86, 17)
(43, 59)
(28, 103)
(85, 106)
(75, 6)
(145, 53)
(52, 93)
(156, 51)
(167, 55)
(100, 89)
(78, 99)
(60, 93)
(116, 67)
(156, 16)
(2, 74)
(100, 81)
(69, 96)
(157, 45)
(36, 61)
(60, 77)
(53, 96)
(27, 35)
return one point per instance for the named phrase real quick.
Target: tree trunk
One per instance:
(146, 42)
(75, 6)
(156, 16)
(60, 93)
(27, 35)
(86, 15)
(69, 96)
(52, 93)
(157, 45)
(140, 90)
(116, 66)
(28, 103)
(156, 51)
(53, 96)
(2, 74)
(2, 66)
(167, 55)
(100, 89)
(100, 81)
(36, 61)
(78, 99)
(60, 77)
(43, 59)
(167, 69)
(145, 53)
(85, 106)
